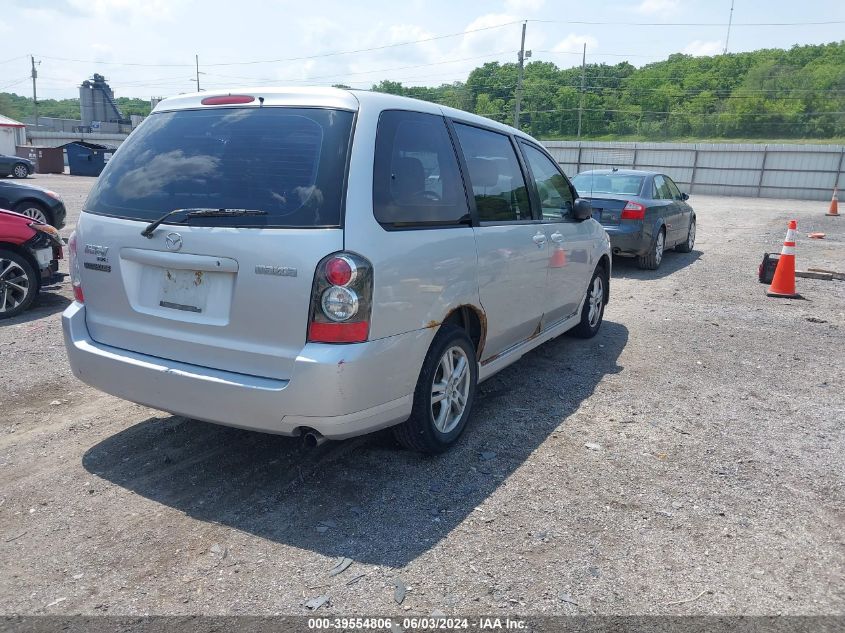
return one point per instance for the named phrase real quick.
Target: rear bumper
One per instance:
(338, 390)
(628, 239)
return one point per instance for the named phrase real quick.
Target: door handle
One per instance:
(539, 239)
(557, 238)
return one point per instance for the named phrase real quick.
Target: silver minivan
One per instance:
(326, 263)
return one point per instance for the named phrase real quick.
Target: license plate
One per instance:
(185, 290)
(44, 256)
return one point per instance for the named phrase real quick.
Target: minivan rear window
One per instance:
(289, 162)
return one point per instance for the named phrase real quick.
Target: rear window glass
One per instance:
(289, 162)
(626, 184)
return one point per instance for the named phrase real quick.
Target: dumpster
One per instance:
(48, 160)
(87, 159)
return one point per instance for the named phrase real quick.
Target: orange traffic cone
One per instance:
(834, 204)
(783, 283)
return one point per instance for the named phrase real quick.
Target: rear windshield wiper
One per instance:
(199, 213)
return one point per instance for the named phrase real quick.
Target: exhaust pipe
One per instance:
(313, 439)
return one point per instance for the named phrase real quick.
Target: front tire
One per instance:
(651, 261)
(35, 211)
(592, 313)
(20, 171)
(18, 284)
(687, 246)
(444, 394)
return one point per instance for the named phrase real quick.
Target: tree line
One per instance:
(764, 94)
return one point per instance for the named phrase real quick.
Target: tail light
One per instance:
(341, 300)
(73, 264)
(633, 211)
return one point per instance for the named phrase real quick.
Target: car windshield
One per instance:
(623, 184)
(289, 162)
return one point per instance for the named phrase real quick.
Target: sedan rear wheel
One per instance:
(652, 260)
(18, 284)
(20, 171)
(687, 246)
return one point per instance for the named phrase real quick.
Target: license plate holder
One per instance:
(185, 290)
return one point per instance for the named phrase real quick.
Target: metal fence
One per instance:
(803, 172)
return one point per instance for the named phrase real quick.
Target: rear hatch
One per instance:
(228, 288)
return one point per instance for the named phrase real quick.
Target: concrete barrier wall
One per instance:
(802, 172)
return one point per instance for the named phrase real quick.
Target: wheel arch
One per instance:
(473, 321)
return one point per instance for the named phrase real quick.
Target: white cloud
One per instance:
(574, 43)
(651, 7)
(122, 9)
(523, 6)
(700, 48)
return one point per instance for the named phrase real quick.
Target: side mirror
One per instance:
(583, 210)
(684, 196)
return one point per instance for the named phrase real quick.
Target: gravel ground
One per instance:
(688, 460)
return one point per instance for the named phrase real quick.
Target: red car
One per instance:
(29, 258)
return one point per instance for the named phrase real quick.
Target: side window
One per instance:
(416, 179)
(555, 195)
(673, 188)
(497, 182)
(663, 192)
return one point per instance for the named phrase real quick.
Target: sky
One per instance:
(147, 48)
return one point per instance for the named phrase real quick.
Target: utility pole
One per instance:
(34, 93)
(730, 21)
(583, 87)
(197, 58)
(521, 57)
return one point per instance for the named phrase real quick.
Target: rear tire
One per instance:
(444, 394)
(18, 284)
(20, 171)
(687, 246)
(652, 260)
(592, 313)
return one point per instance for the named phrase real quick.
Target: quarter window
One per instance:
(497, 182)
(554, 192)
(416, 179)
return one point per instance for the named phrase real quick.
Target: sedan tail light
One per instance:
(75, 273)
(341, 300)
(633, 211)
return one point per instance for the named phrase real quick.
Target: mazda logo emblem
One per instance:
(173, 241)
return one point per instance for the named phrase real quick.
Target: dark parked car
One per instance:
(39, 204)
(15, 166)
(29, 254)
(643, 212)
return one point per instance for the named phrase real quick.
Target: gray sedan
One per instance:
(643, 212)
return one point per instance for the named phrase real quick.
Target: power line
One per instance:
(706, 24)
(289, 59)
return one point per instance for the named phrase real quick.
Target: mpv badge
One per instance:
(173, 241)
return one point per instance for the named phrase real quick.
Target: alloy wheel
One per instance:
(20, 171)
(14, 285)
(658, 247)
(595, 299)
(450, 389)
(35, 213)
